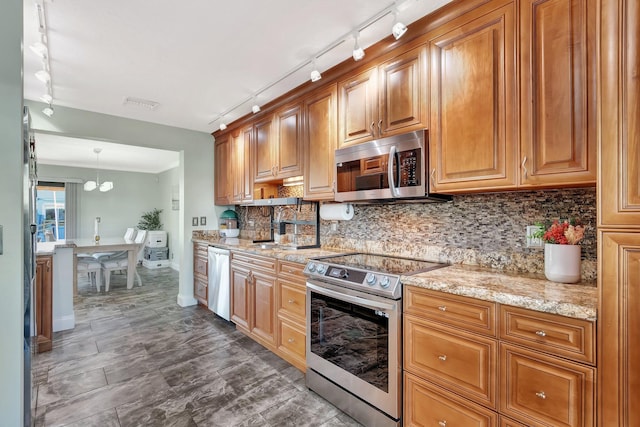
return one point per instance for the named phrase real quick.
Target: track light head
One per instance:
(255, 108)
(43, 76)
(222, 126)
(315, 74)
(398, 29)
(358, 52)
(48, 111)
(47, 98)
(40, 49)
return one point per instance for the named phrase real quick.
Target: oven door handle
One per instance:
(374, 305)
(393, 154)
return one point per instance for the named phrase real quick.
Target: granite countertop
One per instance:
(527, 291)
(47, 248)
(301, 256)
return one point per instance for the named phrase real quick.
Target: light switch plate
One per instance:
(203, 220)
(194, 221)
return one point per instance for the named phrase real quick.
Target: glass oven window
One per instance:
(352, 337)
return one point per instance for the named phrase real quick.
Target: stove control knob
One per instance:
(343, 273)
(321, 269)
(311, 267)
(371, 279)
(385, 282)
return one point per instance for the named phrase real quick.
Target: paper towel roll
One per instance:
(336, 211)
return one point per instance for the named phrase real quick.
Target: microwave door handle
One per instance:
(392, 158)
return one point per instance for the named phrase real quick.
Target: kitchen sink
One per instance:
(276, 246)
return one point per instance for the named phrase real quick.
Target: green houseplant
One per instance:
(150, 220)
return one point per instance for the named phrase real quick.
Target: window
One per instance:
(50, 211)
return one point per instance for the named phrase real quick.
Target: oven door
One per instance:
(354, 340)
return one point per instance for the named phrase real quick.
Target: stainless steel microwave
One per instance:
(387, 169)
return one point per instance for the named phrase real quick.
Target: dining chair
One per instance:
(102, 256)
(93, 269)
(121, 262)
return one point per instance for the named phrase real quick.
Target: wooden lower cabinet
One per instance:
(541, 390)
(43, 303)
(429, 405)
(262, 305)
(240, 298)
(291, 313)
(538, 371)
(201, 273)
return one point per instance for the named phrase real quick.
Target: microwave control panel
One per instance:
(410, 172)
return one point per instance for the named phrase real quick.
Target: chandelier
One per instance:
(92, 185)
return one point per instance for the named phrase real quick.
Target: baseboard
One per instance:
(175, 266)
(186, 301)
(64, 323)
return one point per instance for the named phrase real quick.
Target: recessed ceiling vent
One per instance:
(139, 102)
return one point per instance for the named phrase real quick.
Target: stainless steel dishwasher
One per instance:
(219, 291)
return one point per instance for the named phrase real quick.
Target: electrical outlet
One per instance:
(250, 223)
(533, 242)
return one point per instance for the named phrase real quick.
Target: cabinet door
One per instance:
(240, 296)
(320, 143)
(474, 108)
(558, 92)
(403, 93)
(247, 171)
(358, 108)
(428, 405)
(545, 391)
(43, 302)
(222, 170)
(263, 307)
(619, 324)
(263, 151)
(237, 167)
(289, 147)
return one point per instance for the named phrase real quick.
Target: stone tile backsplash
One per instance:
(479, 229)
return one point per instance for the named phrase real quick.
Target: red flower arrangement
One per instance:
(561, 233)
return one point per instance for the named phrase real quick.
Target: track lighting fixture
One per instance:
(398, 28)
(255, 108)
(46, 98)
(41, 49)
(222, 126)
(315, 74)
(358, 52)
(43, 76)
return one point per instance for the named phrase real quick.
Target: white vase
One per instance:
(562, 263)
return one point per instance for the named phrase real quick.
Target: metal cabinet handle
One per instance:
(541, 395)
(524, 167)
(291, 301)
(442, 423)
(541, 333)
(443, 357)
(442, 307)
(291, 340)
(372, 126)
(433, 174)
(380, 127)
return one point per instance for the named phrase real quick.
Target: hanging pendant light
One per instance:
(92, 185)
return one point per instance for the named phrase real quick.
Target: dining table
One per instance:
(106, 244)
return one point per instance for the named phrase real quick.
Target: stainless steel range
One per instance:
(354, 333)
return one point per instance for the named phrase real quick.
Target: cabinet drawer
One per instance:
(251, 260)
(559, 335)
(428, 405)
(200, 249)
(293, 269)
(292, 300)
(542, 390)
(468, 313)
(292, 339)
(200, 266)
(460, 361)
(200, 290)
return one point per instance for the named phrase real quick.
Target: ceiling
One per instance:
(197, 58)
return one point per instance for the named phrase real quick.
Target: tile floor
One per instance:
(135, 358)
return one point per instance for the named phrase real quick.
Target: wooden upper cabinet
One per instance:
(403, 93)
(358, 107)
(288, 159)
(557, 50)
(222, 170)
(320, 141)
(386, 100)
(241, 165)
(473, 87)
(263, 150)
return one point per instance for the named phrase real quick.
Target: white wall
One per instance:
(170, 188)
(195, 171)
(133, 194)
(11, 194)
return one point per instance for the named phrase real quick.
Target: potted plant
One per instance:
(561, 249)
(150, 220)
